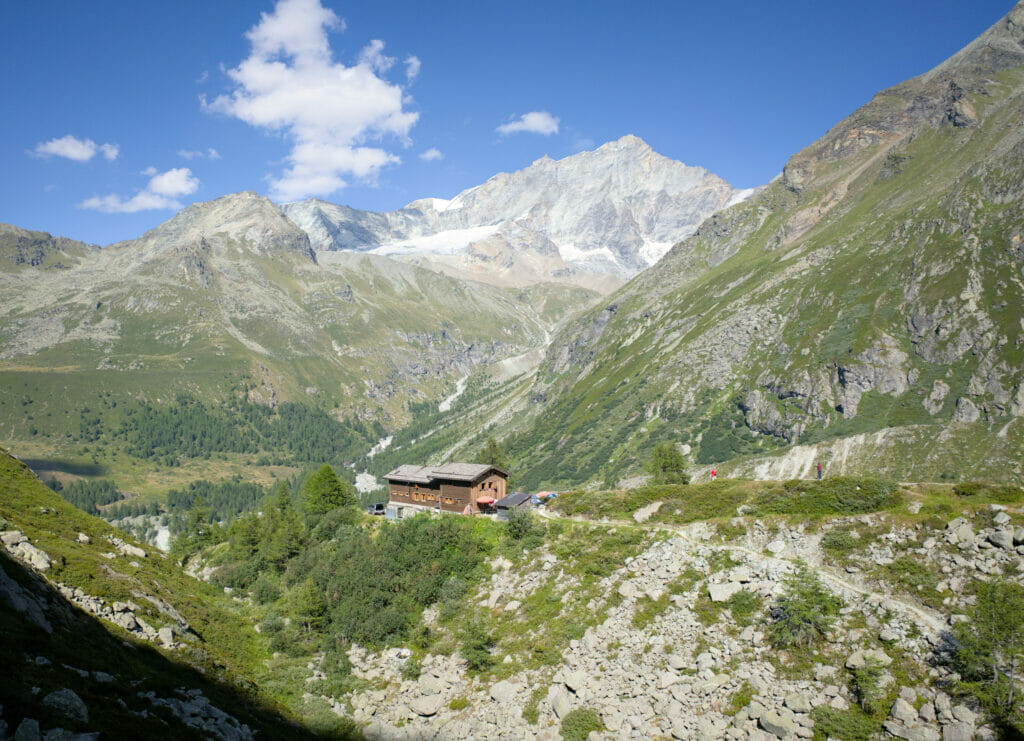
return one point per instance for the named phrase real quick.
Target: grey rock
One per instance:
(964, 714)
(1001, 518)
(67, 704)
(858, 659)
(780, 726)
(798, 702)
(84, 539)
(628, 589)
(575, 680)
(911, 733)
(166, 636)
(427, 705)
(560, 700)
(1003, 538)
(722, 592)
(28, 730)
(504, 691)
(644, 513)
(903, 711)
(11, 538)
(958, 731)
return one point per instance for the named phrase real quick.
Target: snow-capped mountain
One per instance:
(611, 212)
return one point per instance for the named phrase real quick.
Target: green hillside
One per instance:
(216, 649)
(874, 286)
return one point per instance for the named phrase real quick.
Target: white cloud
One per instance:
(373, 57)
(192, 154)
(160, 192)
(412, 67)
(534, 122)
(431, 155)
(290, 83)
(72, 148)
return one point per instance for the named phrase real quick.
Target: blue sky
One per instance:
(118, 113)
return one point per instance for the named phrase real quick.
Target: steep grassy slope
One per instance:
(876, 284)
(216, 650)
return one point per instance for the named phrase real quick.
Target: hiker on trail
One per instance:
(714, 474)
(819, 470)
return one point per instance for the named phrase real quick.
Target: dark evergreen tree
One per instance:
(324, 491)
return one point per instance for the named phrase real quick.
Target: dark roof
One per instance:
(468, 472)
(514, 499)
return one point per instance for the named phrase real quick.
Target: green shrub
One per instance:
(272, 624)
(531, 710)
(412, 668)
(850, 725)
(579, 723)
(988, 650)
(458, 703)
(805, 612)
(740, 699)
(995, 492)
(841, 495)
(265, 590)
(867, 683)
(744, 606)
(839, 543)
(477, 643)
(647, 609)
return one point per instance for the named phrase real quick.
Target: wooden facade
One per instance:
(458, 486)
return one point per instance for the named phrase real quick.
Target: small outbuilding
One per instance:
(467, 488)
(513, 501)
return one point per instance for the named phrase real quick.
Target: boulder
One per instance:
(11, 538)
(779, 725)
(628, 589)
(427, 705)
(958, 732)
(560, 701)
(28, 730)
(798, 702)
(504, 691)
(903, 711)
(911, 733)
(722, 592)
(575, 680)
(1002, 538)
(644, 513)
(67, 704)
(858, 659)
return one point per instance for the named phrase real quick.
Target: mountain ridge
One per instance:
(611, 211)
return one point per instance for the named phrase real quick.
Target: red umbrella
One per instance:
(485, 500)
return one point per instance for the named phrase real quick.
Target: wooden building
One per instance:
(467, 488)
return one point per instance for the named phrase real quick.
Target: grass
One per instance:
(647, 609)
(718, 500)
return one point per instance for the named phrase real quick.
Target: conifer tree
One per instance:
(324, 491)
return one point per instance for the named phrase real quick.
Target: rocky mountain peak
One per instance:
(610, 212)
(242, 220)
